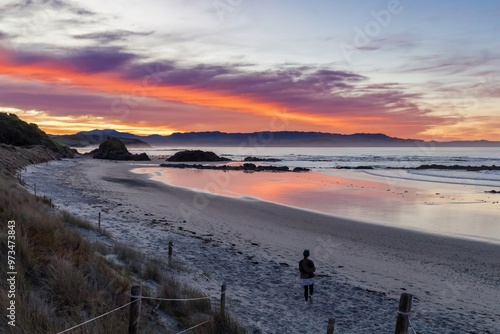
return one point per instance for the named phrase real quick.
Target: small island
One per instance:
(113, 149)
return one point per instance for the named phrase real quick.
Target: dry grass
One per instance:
(152, 271)
(61, 280)
(182, 311)
(80, 223)
(64, 280)
(132, 259)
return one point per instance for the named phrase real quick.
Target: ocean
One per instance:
(381, 159)
(390, 192)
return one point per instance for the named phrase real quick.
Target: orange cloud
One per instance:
(111, 83)
(304, 102)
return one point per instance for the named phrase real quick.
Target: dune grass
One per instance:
(63, 279)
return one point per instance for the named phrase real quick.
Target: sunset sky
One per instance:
(411, 69)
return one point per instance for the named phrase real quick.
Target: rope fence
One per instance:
(187, 330)
(140, 297)
(102, 315)
(403, 323)
(173, 299)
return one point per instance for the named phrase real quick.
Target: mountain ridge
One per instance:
(280, 139)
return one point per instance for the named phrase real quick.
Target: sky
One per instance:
(410, 69)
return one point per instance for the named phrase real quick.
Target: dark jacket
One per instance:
(306, 268)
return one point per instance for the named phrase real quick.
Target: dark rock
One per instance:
(300, 169)
(493, 191)
(244, 167)
(114, 149)
(357, 167)
(195, 155)
(248, 166)
(459, 167)
(256, 159)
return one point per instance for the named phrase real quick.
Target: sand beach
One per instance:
(254, 246)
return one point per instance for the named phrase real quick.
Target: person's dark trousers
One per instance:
(309, 288)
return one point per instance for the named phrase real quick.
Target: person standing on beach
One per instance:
(307, 269)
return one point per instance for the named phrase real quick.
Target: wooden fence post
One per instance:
(135, 310)
(331, 326)
(99, 220)
(223, 300)
(170, 251)
(403, 321)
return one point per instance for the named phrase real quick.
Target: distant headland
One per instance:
(264, 138)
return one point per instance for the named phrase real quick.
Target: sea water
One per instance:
(391, 192)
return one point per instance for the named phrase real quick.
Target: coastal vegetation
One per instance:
(69, 271)
(14, 131)
(64, 279)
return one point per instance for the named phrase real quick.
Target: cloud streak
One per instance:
(314, 97)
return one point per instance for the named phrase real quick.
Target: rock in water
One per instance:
(195, 155)
(113, 149)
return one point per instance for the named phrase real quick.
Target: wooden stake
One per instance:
(170, 251)
(99, 220)
(223, 300)
(135, 310)
(403, 321)
(331, 326)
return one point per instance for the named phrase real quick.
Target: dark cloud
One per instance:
(98, 60)
(401, 42)
(312, 90)
(37, 16)
(450, 65)
(37, 5)
(88, 60)
(4, 35)
(111, 36)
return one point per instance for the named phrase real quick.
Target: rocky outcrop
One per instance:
(195, 156)
(247, 167)
(256, 159)
(458, 167)
(114, 149)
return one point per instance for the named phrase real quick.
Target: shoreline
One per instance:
(442, 272)
(346, 221)
(354, 196)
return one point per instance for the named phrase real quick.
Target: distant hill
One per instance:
(90, 138)
(278, 139)
(16, 132)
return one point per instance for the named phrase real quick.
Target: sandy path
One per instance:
(254, 246)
